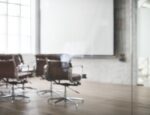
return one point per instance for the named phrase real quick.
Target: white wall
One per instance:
(99, 70)
(144, 32)
(104, 70)
(111, 70)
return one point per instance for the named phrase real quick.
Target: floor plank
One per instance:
(100, 99)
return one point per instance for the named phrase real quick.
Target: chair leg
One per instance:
(59, 100)
(67, 99)
(13, 96)
(76, 104)
(25, 87)
(50, 90)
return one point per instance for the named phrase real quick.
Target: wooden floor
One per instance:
(100, 99)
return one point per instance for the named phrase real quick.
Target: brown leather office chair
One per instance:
(5, 57)
(41, 63)
(8, 70)
(61, 73)
(54, 56)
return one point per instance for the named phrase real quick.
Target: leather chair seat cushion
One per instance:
(76, 77)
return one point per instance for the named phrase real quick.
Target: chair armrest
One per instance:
(83, 75)
(25, 67)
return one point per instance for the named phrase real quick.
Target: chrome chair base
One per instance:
(14, 97)
(66, 99)
(23, 88)
(50, 90)
(45, 91)
(73, 100)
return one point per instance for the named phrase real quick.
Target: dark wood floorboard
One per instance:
(100, 99)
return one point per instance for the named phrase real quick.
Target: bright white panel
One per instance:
(77, 27)
(3, 43)
(3, 8)
(143, 32)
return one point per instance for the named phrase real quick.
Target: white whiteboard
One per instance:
(143, 32)
(83, 27)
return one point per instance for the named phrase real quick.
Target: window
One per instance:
(15, 26)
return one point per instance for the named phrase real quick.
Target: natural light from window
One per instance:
(15, 26)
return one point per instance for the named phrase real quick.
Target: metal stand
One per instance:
(25, 87)
(13, 96)
(51, 91)
(67, 99)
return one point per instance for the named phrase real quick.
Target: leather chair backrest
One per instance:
(17, 58)
(57, 70)
(8, 69)
(48, 56)
(20, 58)
(40, 56)
(40, 63)
(6, 57)
(54, 57)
